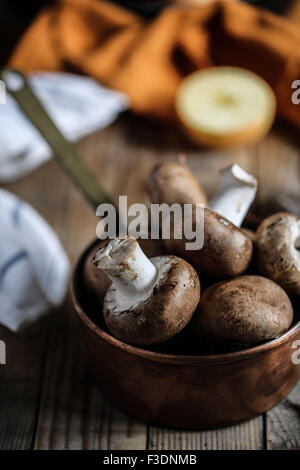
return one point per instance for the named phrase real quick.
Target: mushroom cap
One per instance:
(247, 309)
(226, 250)
(165, 312)
(173, 182)
(277, 256)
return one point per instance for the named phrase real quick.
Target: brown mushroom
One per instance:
(278, 250)
(247, 309)
(226, 250)
(173, 182)
(149, 301)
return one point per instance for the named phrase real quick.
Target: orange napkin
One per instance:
(147, 60)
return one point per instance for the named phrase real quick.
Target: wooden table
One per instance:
(46, 398)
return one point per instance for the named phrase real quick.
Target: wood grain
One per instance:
(21, 377)
(283, 423)
(73, 414)
(20, 381)
(245, 436)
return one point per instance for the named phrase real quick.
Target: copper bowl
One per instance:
(185, 391)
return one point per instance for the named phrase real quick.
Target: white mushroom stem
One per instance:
(236, 194)
(132, 273)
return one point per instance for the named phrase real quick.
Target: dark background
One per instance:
(15, 16)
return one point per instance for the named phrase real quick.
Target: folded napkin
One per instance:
(78, 105)
(34, 268)
(147, 60)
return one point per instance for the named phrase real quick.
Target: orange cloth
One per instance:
(147, 60)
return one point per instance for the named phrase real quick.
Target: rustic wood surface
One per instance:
(46, 398)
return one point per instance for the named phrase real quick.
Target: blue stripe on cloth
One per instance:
(11, 261)
(16, 212)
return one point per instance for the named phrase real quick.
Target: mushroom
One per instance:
(278, 250)
(96, 282)
(173, 182)
(150, 300)
(247, 309)
(226, 250)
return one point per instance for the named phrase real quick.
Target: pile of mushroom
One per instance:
(150, 301)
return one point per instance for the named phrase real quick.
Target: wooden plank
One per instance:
(245, 436)
(20, 378)
(48, 190)
(73, 414)
(20, 382)
(283, 423)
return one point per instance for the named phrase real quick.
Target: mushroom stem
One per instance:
(236, 194)
(131, 272)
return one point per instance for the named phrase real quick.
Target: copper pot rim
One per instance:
(170, 358)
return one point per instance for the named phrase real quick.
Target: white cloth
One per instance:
(34, 268)
(78, 105)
